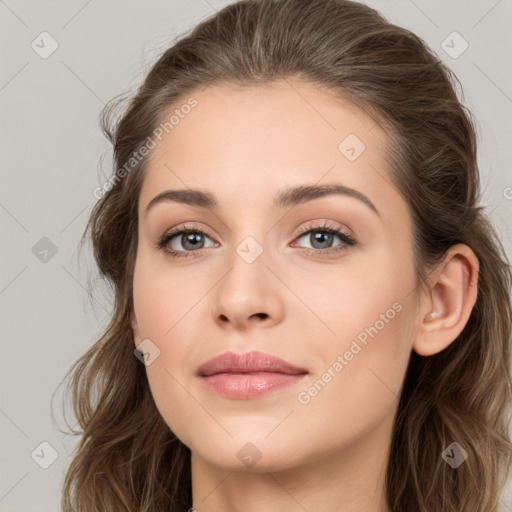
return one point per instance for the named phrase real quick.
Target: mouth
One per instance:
(249, 375)
(249, 362)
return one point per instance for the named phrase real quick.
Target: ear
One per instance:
(135, 328)
(451, 297)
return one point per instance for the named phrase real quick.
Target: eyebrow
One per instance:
(283, 199)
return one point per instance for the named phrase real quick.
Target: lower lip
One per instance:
(243, 386)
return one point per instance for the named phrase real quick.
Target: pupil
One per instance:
(322, 238)
(193, 239)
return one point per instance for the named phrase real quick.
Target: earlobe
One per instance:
(453, 294)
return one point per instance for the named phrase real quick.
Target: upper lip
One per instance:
(249, 362)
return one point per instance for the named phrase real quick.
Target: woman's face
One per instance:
(264, 273)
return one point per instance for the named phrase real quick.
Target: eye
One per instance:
(190, 239)
(322, 238)
(183, 241)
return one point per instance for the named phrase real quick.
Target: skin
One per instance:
(243, 145)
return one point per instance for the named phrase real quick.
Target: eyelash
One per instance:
(348, 240)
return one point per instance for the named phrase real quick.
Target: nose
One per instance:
(249, 294)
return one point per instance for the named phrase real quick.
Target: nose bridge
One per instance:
(247, 264)
(250, 234)
(251, 248)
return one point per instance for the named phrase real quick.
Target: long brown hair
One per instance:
(127, 458)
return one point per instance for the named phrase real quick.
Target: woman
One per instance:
(311, 310)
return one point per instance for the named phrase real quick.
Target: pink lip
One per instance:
(249, 375)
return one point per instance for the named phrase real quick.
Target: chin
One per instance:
(268, 461)
(251, 453)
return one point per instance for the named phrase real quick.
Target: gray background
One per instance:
(50, 154)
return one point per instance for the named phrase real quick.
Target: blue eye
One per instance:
(192, 240)
(323, 236)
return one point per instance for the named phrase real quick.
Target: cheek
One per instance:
(362, 297)
(162, 304)
(358, 386)
(161, 298)
(363, 360)
(182, 414)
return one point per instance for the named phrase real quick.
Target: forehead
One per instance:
(245, 142)
(283, 114)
